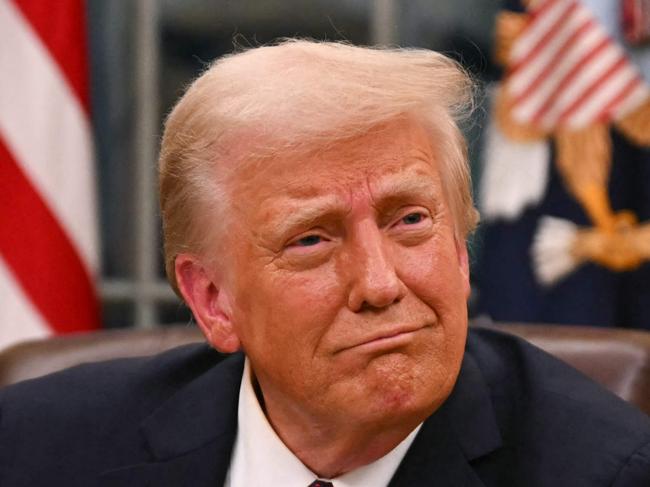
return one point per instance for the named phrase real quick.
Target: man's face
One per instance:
(347, 288)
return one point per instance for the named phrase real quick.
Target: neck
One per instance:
(331, 455)
(330, 450)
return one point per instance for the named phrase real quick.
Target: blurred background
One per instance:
(140, 55)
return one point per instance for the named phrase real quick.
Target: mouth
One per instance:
(394, 338)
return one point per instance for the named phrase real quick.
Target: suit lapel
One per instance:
(464, 429)
(190, 437)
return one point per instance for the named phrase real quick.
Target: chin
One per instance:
(403, 391)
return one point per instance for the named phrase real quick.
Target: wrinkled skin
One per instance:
(343, 282)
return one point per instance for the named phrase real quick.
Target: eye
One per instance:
(412, 226)
(308, 241)
(413, 218)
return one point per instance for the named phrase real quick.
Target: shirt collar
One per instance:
(261, 458)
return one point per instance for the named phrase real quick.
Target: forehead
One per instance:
(398, 152)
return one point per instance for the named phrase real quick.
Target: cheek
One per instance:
(288, 308)
(433, 271)
(313, 291)
(433, 274)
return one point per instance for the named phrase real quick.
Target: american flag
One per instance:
(48, 222)
(566, 71)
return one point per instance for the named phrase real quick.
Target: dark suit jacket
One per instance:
(516, 417)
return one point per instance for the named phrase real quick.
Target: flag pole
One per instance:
(383, 22)
(146, 139)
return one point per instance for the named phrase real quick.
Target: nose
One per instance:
(375, 283)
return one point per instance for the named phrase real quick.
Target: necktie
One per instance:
(321, 483)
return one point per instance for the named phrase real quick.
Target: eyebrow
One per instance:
(305, 213)
(390, 191)
(307, 207)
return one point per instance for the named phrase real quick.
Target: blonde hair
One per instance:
(295, 96)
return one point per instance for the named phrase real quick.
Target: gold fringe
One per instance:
(508, 26)
(502, 113)
(636, 125)
(584, 159)
(642, 239)
(626, 249)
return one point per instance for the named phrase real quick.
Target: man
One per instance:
(315, 201)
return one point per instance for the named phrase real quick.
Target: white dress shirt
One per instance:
(260, 458)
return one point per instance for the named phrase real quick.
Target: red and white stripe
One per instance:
(48, 221)
(565, 71)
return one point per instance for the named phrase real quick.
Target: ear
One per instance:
(209, 303)
(463, 264)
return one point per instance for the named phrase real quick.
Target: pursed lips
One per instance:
(393, 336)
